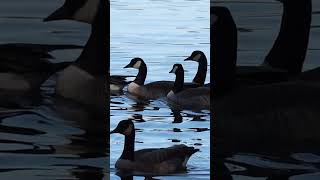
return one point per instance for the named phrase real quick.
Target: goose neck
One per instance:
(178, 83)
(92, 58)
(128, 150)
(202, 72)
(142, 74)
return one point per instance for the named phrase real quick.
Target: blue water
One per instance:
(162, 33)
(52, 138)
(261, 22)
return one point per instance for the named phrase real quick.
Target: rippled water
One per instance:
(162, 33)
(258, 23)
(50, 138)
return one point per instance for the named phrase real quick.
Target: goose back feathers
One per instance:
(153, 160)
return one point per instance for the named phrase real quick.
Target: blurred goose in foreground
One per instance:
(84, 81)
(24, 67)
(85, 11)
(284, 116)
(276, 117)
(156, 160)
(194, 98)
(284, 61)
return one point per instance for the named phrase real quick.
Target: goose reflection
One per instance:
(130, 177)
(93, 141)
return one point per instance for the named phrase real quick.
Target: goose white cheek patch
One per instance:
(214, 19)
(137, 65)
(128, 131)
(87, 12)
(175, 69)
(197, 57)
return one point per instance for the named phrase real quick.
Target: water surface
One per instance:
(162, 33)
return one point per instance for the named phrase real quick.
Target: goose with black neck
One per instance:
(84, 81)
(154, 160)
(153, 90)
(85, 11)
(284, 61)
(193, 98)
(200, 77)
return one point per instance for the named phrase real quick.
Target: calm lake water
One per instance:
(262, 20)
(52, 138)
(162, 33)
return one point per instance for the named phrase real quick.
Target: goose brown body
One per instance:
(154, 160)
(191, 98)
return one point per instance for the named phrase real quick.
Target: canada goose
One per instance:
(189, 98)
(84, 81)
(24, 67)
(155, 160)
(153, 90)
(117, 82)
(200, 57)
(83, 11)
(284, 116)
(283, 62)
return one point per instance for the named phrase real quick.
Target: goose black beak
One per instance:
(127, 66)
(59, 14)
(114, 131)
(188, 59)
(171, 71)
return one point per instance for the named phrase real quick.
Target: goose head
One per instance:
(125, 127)
(196, 56)
(135, 63)
(199, 57)
(176, 68)
(78, 10)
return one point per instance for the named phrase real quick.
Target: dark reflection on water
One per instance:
(258, 25)
(43, 136)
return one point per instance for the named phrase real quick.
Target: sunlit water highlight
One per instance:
(162, 33)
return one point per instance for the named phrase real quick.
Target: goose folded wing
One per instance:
(164, 154)
(22, 58)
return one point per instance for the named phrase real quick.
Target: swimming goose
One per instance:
(200, 77)
(24, 67)
(194, 98)
(284, 116)
(284, 60)
(153, 90)
(84, 81)
(118, 82)
(84, 11)
(156, 160)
